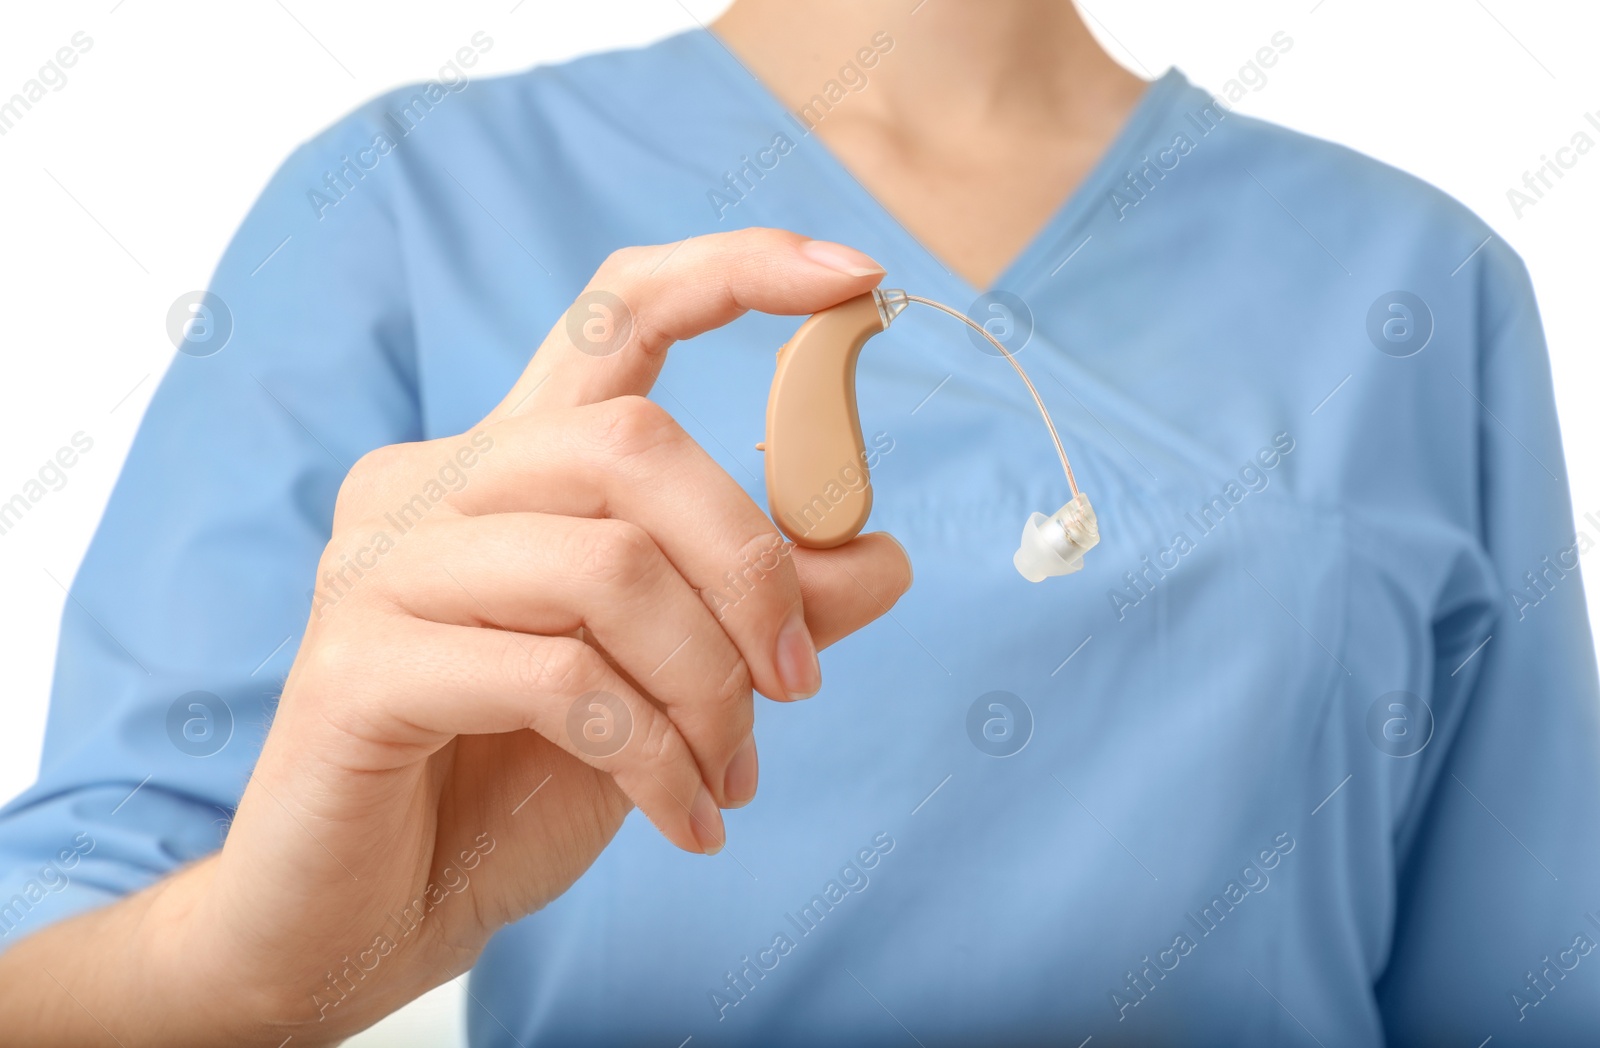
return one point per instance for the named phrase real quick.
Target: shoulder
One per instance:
(456, 103)
(390, 155)
(1379, 220)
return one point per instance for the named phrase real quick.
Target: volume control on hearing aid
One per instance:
(813, 443)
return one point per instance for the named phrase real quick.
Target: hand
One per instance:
(514, 642)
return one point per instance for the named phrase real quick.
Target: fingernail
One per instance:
(797, 659)
(841, 259)
(911, 571)
(707, 820)
(739, 782)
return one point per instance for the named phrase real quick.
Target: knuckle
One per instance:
(735, 693)
(330, 668)
(564, 667)
(322, 662)
(352, 563)
(658, 743)
(631, 426)
(755, 239)
(766, 574)
(379, 463)
(766, 251)
(367, 478)
(763, 554)
(736, 684)
(651, 338)
(615, 554)
(623, 263)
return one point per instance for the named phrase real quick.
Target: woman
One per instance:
(1304, 755)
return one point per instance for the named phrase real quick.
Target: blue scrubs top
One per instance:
(1307, 754)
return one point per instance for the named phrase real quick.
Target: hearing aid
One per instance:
(819, 485)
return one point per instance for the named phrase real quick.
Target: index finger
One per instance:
(613, 340)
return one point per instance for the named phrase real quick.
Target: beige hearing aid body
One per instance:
(819, 487)
(817, 481)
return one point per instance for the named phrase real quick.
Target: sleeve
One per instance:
(1499, 886)
(189, 604)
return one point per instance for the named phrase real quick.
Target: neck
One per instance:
(953, 67)
(968, 120)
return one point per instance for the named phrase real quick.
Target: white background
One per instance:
(120, 190)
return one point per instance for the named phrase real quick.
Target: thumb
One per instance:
(844, 588)
(613, 340)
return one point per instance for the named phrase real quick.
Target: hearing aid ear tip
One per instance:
(1055, 545)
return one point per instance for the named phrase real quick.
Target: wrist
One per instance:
(238, 992)
(204, 975)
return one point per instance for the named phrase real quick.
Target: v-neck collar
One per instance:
(1040, 252)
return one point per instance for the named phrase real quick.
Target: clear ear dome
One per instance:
(1055, 545)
